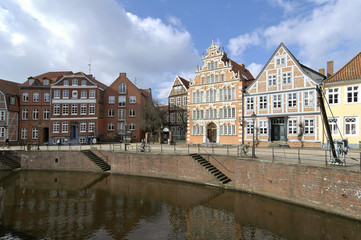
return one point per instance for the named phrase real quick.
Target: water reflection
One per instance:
(62, 205)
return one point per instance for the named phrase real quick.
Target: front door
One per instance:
(278, 129)
(212, 132)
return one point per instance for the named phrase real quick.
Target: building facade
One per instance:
(123, 106)
(35, 107)
(177, 102)
(281, 104)
(76, 113)
(9, 112)
(215, 99)
(342, 95)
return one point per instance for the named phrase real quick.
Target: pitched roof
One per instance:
(8, 87)
(352, 70)
(185, 82)
(52, 76)
(92, 78)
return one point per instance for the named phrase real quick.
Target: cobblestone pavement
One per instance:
(303, 156)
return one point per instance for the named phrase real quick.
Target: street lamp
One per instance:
(253, 146)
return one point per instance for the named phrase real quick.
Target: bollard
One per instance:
(299, 158)
(174, 149)
(161, 148)
(326, 158)
(273, 154)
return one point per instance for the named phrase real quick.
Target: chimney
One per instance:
(322, 71)
(122, 74)
(329, 68)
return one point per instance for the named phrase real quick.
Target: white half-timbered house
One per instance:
(283, 99)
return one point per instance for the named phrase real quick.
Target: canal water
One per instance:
(69, 205)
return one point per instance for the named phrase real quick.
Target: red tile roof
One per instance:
(351, 71)
(8, 87)
(52, 76)
(185, 82)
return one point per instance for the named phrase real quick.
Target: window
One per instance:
(91, 127)
(122, 88)
(74, 109)
(66, 83)
(65, 109)
(110, 112)
(334, 123)
(91, 109)
(46, 97)
(178, 101)
(110, 126)
(36, 97)
(131, 112)
(25, 114)
(263, 127)
(2, 132)
(172, 117)
(132, 99)
(34, 134)
(177, 88)
(352, 94)
(56, 93)
(74, 94)
(308, 98)
(272, 80)
(185, 99)
(350, 125)
(91, 93)
(263, 102)
(292, 126)
(2, 115)
(197, 130)
(211, 95)
(83, 127)
(83, 109)
(83, 82)
(121, 127)
(111, 99)
(24, 133)
(35, 114)
(222, 78)
(56, 127)
(309, 126)
(83, 94)
(25, 96)
(132, 126)
(64, 127)
(56, 109)
(46, 114)
(227, 130)
(280, 61)
(292, 100)
(277, 101)
(333, 95)
(179, 117)
(31, 81)
(122, 101)
(121, 114)
(65, 93)
(171, 102)
(249, 127)
(75, 82)
(197, 114)
(286, 78)
(12, 101)
(45, 82)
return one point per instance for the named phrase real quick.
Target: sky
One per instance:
(153, 41)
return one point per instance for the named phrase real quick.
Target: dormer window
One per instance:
(75, 82)
(66, 83)
(83, 82)
(45, 82)
(31, 81)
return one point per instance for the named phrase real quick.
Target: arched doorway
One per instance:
(212, 132)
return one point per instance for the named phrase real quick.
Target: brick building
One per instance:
(178, 101)
(76, 113)
(122, 113)
(283, 100)
(35, 106)
(215, 99)
(9, 111)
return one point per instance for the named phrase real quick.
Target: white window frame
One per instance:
(65, 94)
(111, 112)
(185, 100)
(333, 95)
(309, 98)
(309, 126)
(2, 115)
(354, 93)
(64, 127)
(74, 109)
(122, 88)
(111, 126)
(65, 109)
(56, 109)
(277, 101)
(35, 114)
(132, 99)
(24, 133)
(334, 123)
(287, 78)
(83, 108)
(2, 132)
(56, 127)
(57, 94)
(25, 114)
(263, 127)
(292, 98)
(131, 126)
(74, 82)
(46, 97)
(132, 112)
(347, 123)
(92, 93)
(36, 97)
(35, 133)
(83, 94)
(122, 101)
(82, 128)
(46, 114)
(292, 126)
(178, 102)
(250, 103)
(25, 97)
(111, 99)
(91, 109)
(121, 114)
(263, 102)
(91, 127)
(272, 80)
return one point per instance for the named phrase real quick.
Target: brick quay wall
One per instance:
(332, 189)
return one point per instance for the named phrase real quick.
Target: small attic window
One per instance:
(83, 82)
(45, 82)
(66, 83)
(178, 88)
(75, 82)
(31, 81)
(12, 101)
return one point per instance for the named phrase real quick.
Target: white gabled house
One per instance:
(284, 100)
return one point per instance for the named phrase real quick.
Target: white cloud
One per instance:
(288, 6)
(255, 69)
(42, 36)
(331, 31)
(239, 44)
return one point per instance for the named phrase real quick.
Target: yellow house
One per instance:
(343, 102)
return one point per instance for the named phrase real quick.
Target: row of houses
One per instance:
(70, 108)
(225, 104)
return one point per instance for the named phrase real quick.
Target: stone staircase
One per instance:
(211, 168)
(9, 162)
(97, 160)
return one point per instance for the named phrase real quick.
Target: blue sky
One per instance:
(153, 41)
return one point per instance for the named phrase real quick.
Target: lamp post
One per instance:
(253, 146)
(38, 128)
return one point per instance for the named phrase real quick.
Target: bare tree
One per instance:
(151, 116)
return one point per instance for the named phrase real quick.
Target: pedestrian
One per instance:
(142, 147)
(7, 142)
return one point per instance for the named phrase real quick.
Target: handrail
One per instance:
(215, 159)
